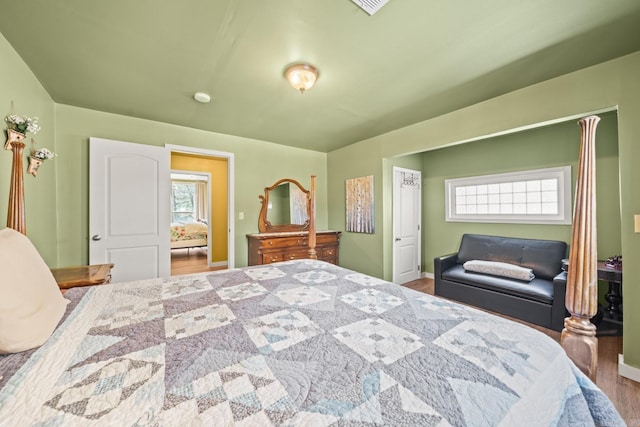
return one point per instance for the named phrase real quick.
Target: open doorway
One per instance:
(201, 210)
(191, 235)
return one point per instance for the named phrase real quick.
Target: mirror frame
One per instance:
(264, 226)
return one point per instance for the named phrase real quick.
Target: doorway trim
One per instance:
(230, 191)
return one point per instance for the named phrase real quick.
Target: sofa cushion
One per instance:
(542, 256)
(489, 248)
(540, 290)
(501, 269)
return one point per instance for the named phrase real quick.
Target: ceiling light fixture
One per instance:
(301, 76)
(202, 97)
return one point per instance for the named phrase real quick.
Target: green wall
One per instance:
(358, 251)
(545, 147)
(604, 87)
(258, 164)
(18, 84)
(57, 201)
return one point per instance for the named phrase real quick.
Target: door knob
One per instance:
(398, 239)
(96, 237)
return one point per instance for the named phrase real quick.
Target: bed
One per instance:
(295, 343)
(188, 235)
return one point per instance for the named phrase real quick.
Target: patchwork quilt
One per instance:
(299, 343)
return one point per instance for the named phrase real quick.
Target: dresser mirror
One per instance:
(285, 207)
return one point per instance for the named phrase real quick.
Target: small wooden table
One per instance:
(84, 275)
(610, 321)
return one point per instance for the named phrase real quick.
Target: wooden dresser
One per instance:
(265, 248)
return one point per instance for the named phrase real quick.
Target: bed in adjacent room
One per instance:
(295, 343)
(188, 235)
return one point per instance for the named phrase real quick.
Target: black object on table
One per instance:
(608, 320)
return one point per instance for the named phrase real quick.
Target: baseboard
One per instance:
(628, 371)
(218, 264)
(427, 275)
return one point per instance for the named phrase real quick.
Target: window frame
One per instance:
(563, 217)
(173, 213)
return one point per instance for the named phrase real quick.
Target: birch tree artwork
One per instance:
(360, 207)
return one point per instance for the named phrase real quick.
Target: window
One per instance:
(189, 200)
(541, 196)
(183, 201)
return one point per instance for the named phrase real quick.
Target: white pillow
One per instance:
(31, 304)
(502, 269)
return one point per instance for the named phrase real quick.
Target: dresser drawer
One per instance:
(300, 254)
(328, 252)
(267, 248)
(322, 239)
(268, 258)
(284, 242)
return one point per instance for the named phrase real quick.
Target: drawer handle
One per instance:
(270, 242)
(292, 257)
(274, 259)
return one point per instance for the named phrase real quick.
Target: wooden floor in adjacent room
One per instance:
(192, 260)
(623, 392)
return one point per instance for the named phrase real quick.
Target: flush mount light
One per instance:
(301, 76)
(202, 97)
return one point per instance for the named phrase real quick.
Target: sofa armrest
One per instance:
(443, 263)
(558, 308)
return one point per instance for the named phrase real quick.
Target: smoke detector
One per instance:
(202, 97)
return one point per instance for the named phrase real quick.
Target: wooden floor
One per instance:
(623, 392)
(187, 261)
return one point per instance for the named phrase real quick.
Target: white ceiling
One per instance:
(411, 61)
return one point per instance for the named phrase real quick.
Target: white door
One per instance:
(407, 199)
(129, 209)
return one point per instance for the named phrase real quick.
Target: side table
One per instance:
(84, 275)
(611, 323)
(608, 320)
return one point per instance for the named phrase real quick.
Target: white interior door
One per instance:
(407, 201)
(129, 209)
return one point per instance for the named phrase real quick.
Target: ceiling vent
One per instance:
(370, 6)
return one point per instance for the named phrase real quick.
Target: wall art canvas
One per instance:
(360, 207)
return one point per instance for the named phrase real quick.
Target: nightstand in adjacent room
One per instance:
(84, 275)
